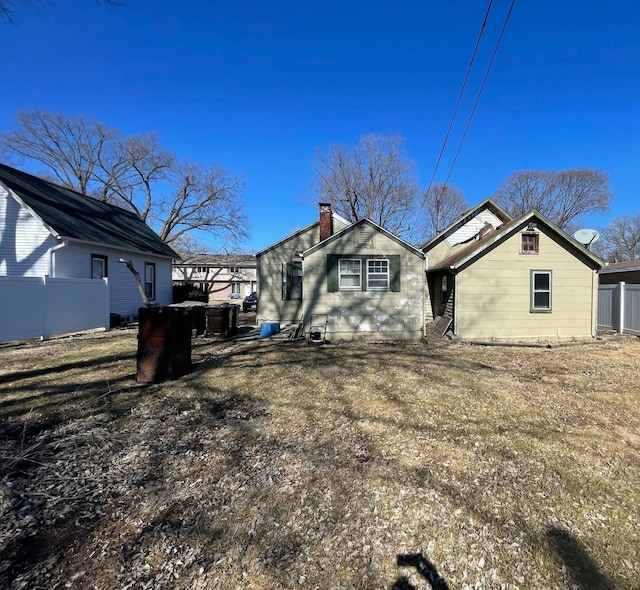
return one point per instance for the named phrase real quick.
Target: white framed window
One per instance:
(350, 273)
(540, 290)
(150, 280)
(235, 289)
(99, 268)
(377, 274)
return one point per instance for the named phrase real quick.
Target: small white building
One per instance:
(60, 248)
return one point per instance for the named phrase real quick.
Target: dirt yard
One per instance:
(282, 465)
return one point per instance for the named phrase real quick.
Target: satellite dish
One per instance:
(586, 236)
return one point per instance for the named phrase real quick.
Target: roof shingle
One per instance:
(75, 216)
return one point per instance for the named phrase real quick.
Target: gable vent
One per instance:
(364, 236)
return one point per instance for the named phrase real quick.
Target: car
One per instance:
(250, 302)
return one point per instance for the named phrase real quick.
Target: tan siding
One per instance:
(362, 315)
(438, 253)
(271, 306)
(493, 294)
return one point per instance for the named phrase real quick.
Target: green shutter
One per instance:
(394, 272)
(332, 273)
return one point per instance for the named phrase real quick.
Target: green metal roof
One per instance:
(77, 217)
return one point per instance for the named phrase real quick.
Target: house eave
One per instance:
(490, 203)
(514, 227)
(375, 226)
(119, 248)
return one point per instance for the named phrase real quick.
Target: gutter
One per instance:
(52, 251)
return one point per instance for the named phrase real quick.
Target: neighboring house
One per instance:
(223, 276)
(504, 279)
(362, 281)
(621, 272)
(52, 232)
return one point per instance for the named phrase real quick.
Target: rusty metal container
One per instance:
(164, 343)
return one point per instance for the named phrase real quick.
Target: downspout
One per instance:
(455, 306)
(594, 295)
(425, 295)
(52, 251)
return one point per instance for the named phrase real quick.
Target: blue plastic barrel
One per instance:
(268, 329)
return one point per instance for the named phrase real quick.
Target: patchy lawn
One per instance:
(280, 465)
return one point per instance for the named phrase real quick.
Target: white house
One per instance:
(50, 234)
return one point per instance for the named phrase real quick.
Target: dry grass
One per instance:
(343, 466)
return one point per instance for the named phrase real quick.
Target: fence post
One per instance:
(621, 303)
(47, 311)
(107, 305)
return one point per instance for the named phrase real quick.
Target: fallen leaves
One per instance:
(280, 465)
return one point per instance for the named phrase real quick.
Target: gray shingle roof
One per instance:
(75, 216)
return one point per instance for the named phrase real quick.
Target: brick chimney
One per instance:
(326, 221)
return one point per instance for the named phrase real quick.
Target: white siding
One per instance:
(472, 227)
(42, 307)
(24, 240)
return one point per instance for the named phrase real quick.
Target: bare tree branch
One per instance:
(441, 205)
(620, 240)
(562, 196)
(174, 197)
(8, 7)
(373, 180)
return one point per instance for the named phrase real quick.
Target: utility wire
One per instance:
(484, 81)
(462, 89)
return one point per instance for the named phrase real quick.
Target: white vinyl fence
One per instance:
(619, 308)
(40, 307)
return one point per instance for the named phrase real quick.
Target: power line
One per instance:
(475, 104)
(484, 81)
(462, 89)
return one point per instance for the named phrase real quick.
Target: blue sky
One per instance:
(258, 87)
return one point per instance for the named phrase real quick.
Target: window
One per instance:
(296, 280)
(292, 280)
(350, 273)
(378, 274)
(150, 280)
(529, 244)
(540, 290)
(99, 268)
(235, 290)
(359, 272)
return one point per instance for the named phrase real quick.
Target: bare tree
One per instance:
(8, 7)
(129, 173)
(70, 149)
(441, 205)
(174, 197)
(620, 240)
(562, 196)
(373, 180)
(204, 199)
